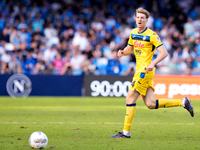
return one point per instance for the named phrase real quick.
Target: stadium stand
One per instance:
(68, 37)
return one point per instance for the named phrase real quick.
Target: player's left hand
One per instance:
(150, 67)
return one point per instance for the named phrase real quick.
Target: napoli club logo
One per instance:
(19, 85)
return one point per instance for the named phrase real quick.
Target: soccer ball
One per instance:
(38, 140)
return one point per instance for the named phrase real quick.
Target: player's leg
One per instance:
(130, 112)
(151, 103)
(149, 99)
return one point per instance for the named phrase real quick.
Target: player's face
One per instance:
(141, 20)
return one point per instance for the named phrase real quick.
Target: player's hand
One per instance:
(150, 67)
(120, 53)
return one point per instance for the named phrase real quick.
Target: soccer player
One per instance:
(143, 41)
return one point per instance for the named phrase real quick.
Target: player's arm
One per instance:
(163, 54)
(127, 51)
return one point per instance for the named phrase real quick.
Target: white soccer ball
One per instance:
(38, 140)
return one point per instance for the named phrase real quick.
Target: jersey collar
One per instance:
(142, 31)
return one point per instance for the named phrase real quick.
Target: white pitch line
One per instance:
(96, 123)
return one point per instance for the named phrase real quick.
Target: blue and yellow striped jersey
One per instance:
(144, 44)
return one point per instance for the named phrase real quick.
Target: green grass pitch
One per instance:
(86, 123)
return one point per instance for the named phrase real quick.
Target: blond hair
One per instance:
(143, 11)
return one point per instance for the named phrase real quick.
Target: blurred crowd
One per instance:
(68, 37)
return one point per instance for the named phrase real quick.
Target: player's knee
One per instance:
(150, 105)
(128, 100)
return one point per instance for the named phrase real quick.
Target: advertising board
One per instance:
(166, 86)
(20, 85)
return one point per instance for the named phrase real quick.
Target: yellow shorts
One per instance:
(142, 81)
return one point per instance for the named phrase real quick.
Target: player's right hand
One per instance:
(120, 53)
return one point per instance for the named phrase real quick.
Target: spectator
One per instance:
(88, 52)
(50, 31)
(178, 62)
(5, 59)
(40, 66)
(100, 62)
(175, 41)
(50, 53)
(80, 39)
(67, 69)
(5, 35)
(189, 63)
(76, 62)
(14, 37)
(58, 64)
(92, 38)
(15, 65)
(37, 24)
(28, 64)
(189, 28)
(130, 71)
(113, 67)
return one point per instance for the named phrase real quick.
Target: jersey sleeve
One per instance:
(155, 40)
(130, 41)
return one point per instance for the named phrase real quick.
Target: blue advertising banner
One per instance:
(40, 85)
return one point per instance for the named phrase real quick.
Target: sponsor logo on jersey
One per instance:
(138, 52)
(138, 44)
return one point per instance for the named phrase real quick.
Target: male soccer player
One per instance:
(143, 41)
